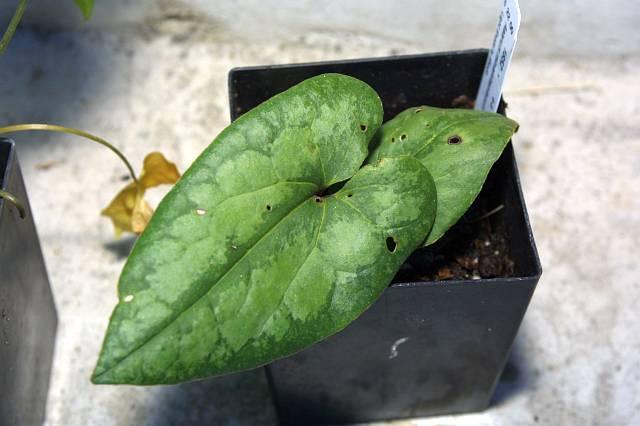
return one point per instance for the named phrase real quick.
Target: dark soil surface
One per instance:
(472, 249)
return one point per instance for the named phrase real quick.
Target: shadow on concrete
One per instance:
(122, 246)
(56, 78)
(517, 375)
(241, 399)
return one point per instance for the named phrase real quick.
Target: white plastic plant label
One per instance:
(495, 69)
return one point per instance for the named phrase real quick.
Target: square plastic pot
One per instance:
(424, 348)
(27, 314)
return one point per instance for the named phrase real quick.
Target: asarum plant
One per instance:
(285, 229)
(288, 227)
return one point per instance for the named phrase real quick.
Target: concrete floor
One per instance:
(579, 154)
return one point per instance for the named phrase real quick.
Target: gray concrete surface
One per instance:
(162, 85)
(550, 28)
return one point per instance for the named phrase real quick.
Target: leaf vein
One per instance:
(360, 212)
(315, 245)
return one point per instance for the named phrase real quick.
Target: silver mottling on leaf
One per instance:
(244, 284)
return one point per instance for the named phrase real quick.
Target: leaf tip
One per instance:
(97, 377)
(86, 7)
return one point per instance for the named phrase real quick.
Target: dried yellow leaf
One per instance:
(157, 171)
(128, 211)
(120, 210)
(141, 215)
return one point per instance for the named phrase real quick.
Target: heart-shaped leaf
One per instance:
(249, 259)
(457, 146)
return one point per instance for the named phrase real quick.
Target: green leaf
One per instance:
(247, 259)
(86, 7)
(457, 146)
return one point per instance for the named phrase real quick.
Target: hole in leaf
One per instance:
(128, 298)
(349, 195)
(454, 140)
(201, 212)
(318, 199)
(403, 136)
(391, 244)
(393, 140)
(363, 127)
(269, 207)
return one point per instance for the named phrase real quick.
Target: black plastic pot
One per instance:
(27, 313)
(424, 348)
